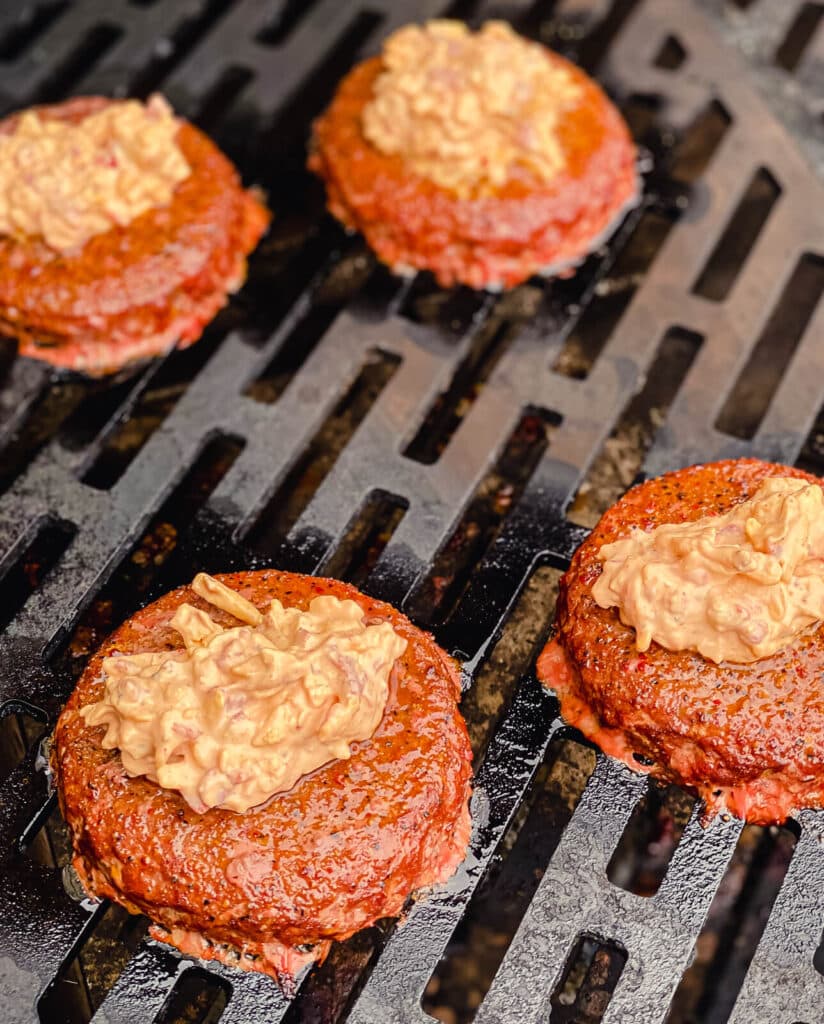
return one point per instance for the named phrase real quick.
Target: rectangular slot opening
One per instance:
(49, 405)
(198, 997)
(811, 456)
(589, 979)
(135, 579)
(622, 456)
(366, 538)
(487, 349)
(280, 152)
(276, 30)
(753, 391)
(19, 732)
(650, 839)
(738, 238)
(498, 492)
(27, 572)
(152, 408)
(671, 55)
(61, 80)
(100, 408)
(453, 310)
(734, 924)
(330, 988)
(596, 43)
(524, 631)
(47, 841)
(343, 281)
(296, 267)
(641, 111)
(8, 354)
(31, 22)
(83, 980)
(612, 296)
(799, 36)
(171, 50)
(219, 99)
(288, 502)
(698, 144)
(479, 944)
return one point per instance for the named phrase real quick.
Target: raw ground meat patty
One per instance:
(527, 226)
(134, 291)
(341, 849)
(748, 737)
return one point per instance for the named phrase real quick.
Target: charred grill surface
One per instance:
(446, 451)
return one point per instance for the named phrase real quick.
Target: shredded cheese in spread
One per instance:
(735, 587)
(68, 182)
(465, 109)
(241, 713)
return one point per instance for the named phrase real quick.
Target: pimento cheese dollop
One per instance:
(735, 587)
(466, 109)
(241, 713)
(67, 182)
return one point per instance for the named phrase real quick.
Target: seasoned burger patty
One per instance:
(747, 737)
(134, 291)
(525, 227)
(344, 847)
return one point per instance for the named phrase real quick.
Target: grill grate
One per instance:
(417, 408)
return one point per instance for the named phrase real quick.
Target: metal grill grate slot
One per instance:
(589, 980)
(478, 946)
(619, 463)
(19, 732)
(671, 55)
(366, 538)
(21, 579)
(197, 996)
(30, 22)
(800, 34)
(73, 65)
(650, 839)
(291, 498)
(612, 295)
(755, 387)
(83, 980)
(739, 238)
(750, 886)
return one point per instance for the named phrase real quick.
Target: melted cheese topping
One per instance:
(735, 587)
(243, 712)
(68, 182)
(465, 109)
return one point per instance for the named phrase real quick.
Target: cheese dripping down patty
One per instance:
(243, 712)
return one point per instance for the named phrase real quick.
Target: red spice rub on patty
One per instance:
(748, 737)
(134, 291)
(269, 888)
(491, 236)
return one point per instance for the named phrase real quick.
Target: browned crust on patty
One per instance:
(499, 239)
(344, 847)
(748, 738)
(133, 291)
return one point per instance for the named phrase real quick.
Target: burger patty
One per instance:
(133, 291)
(749, 738)
(527, 226)
(341, 849)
